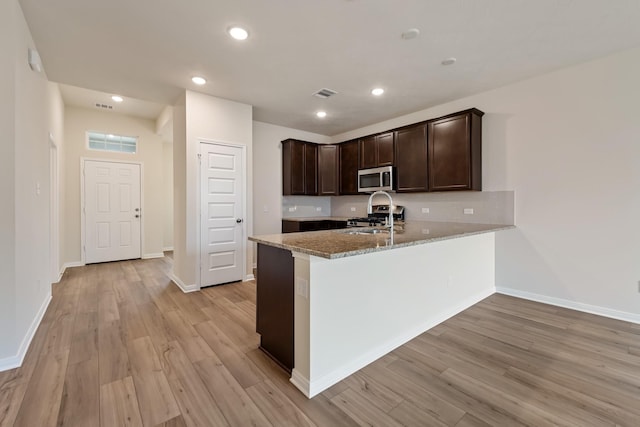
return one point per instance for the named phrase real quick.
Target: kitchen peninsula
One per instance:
(331, 302)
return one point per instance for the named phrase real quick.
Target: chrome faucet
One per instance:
(390, 219)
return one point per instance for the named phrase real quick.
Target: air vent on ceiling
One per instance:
(325, 93)
(105, 106)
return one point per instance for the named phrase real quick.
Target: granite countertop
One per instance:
(339, 243)
(318, 218)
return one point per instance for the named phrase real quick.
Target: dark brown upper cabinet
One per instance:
(299, 168)
(411, 158)
(310, 169)
(376, 150)
(455, 151)
(349, 167)
(328, 173)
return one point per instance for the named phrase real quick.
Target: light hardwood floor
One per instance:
(121, 345)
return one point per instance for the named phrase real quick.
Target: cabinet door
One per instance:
(310, 169)
(349, 167)
(293, 167)
(450, 153)
(368, 153)
(274, 304)
(327, 170)
(384, 148)
(411, 159)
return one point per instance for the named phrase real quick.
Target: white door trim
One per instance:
(82, 211)
(244, 203)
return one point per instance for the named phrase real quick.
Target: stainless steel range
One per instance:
(378, 217)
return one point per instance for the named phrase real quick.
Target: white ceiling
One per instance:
(149, 49)
(87, 98)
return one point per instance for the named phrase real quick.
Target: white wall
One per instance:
(8, 29)
(211, 119)
(150, 152)
(56, 128)
(268, 172)
(24, 216)
(167, 180)
(567, 144)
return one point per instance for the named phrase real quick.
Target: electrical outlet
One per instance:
(353, 209)
(425, 210)
(302, 287)
(265, 208)
(425, 231)
(318, 209)
(292, 209)
(468, 211)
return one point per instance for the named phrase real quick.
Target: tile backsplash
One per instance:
(305, 206)
(488, 207)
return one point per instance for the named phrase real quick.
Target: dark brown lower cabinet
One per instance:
(274, 304)
(289, 226)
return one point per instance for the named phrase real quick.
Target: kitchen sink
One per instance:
(364, 231)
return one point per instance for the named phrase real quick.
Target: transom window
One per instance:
(111, 142)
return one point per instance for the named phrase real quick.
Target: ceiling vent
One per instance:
(105, 106)
(325, 93)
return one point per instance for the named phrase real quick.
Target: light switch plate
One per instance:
(425, 210)
(468, 211)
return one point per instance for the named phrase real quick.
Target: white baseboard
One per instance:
(155, 255)
(574, 305)
(311, 388)
(184, 288)
(69, 265)
(167, 249)
(249, 277)
(16, 361)
(301, 383)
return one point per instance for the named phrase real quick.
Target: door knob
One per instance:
(238, 220)
(137, 216)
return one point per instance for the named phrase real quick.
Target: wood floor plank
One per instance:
(119, 404)
(277, 407)
(41, 401)
(357, 407)
(234, 402)
(434, 403)
(410, 415)
(197, 406)
(80, 403)
(242, 369)
(155, 398)
(576, 398)
(141, 352)
(113, 360)
(449, 393)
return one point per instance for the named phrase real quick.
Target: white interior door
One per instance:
(222, 226)
(112, 211)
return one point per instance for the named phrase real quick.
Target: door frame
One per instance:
(82, 201)
(243, 148)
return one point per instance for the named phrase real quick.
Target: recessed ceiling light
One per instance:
(377, 91)
(449, 61)
(238, 33)
(411, 33)
(117, 98)
(321, 114)
(198, 80)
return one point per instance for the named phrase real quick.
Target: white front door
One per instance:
(111, 210)
(222, 227)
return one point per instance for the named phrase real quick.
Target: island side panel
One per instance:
(362, 307)
(274, 304)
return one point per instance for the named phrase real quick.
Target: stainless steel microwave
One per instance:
(376, 179)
